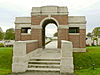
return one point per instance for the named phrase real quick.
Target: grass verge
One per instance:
(88, 71)
(5, 60)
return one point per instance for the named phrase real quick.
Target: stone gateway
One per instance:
(71, 28)
(30, 39)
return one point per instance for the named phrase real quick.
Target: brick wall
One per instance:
(25, 37)
(63, 20)
(82, 38)
(17, 34)
(31, 46)
(35, 20)
(62, 35)
(75, 39)
(36, 34)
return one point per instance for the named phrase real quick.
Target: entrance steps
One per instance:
(47, 65)
(46, 62)
(43, 66)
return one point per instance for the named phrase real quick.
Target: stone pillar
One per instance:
(66, 58)
(36, 34)
(62, 35)
(82, 38)
(19, 57)
(17, 34)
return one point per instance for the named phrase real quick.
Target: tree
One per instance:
(96, 31)
(1, 35)
(89, 34)
(10, 34)
(55, 34)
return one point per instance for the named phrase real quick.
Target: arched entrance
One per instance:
(44, 24)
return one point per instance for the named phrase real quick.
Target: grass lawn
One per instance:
(88, 71)
(5, 60)
(82, 61)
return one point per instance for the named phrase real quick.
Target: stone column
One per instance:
(66, 57)
(19, 57)
(17, 34)
(62, 35)
(82, 38)
(36, 34)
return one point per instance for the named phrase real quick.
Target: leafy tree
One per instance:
(10, 34)
(55, 34)
(96, 31)
(89, 34)
(1, 35)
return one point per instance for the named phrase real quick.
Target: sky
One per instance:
(51, 29)
(9, 9)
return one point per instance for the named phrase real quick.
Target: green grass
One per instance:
(82, 61)
(5, 60)
(89, 71)
(85, 60)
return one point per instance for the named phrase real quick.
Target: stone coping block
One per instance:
(28, 41)
(50, 9)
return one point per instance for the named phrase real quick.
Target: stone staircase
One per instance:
(44, 65)
(50, 62)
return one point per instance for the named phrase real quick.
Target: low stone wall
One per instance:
(31, 46)
(66, 57)
(20, 51)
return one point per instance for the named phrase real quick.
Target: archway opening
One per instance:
(49, 34)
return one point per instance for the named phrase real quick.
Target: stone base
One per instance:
(19, 67)
(67, 65)
(79, 49)
(41, 73)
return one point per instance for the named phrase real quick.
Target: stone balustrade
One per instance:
(66, 57)
(21, 52)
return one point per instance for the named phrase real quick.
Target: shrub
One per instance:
(1, 45)
(9, 45)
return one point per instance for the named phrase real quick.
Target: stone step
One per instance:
(45, 59)
(43, 66)
(43, 69)
(44, 62)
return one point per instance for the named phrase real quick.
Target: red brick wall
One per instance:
(62, 35)
(35, 20)
(82, 38)
(25, 37)
(63, 20)
(31, 46)
(17, 34)
(75, 39)
(37, 35)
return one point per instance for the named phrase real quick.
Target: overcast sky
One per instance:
(9, 9)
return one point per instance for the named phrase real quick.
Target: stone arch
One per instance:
(47, 18)
(44, 23)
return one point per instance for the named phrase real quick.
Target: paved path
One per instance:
(48, 53)
(52, 44)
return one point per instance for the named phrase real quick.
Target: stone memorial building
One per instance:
(29, 53)
(71, 28)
